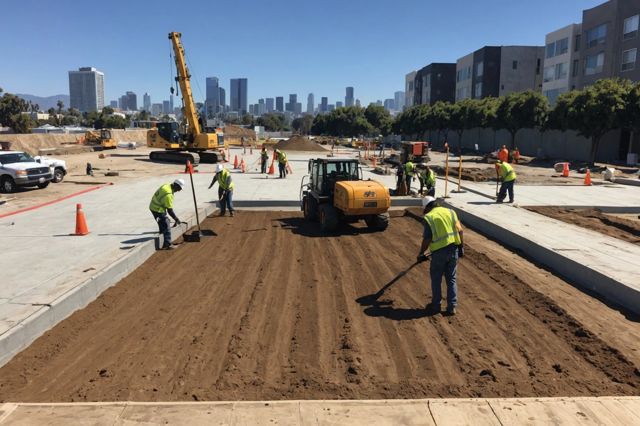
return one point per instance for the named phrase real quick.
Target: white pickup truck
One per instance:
(18, 169)
(58, 167)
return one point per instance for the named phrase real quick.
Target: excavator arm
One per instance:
(184, 80)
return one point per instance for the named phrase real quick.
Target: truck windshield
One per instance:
(342, 170)
(18, 157)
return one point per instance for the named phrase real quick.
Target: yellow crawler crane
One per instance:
(186, 141)
(336, 193)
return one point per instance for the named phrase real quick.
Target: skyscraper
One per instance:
(339, 104)
(146, 102)
(310, 103)
(239, 95)
(270, 106)
(348, 99)
(114, 104)
(324, 104)
(132, 101)
(293, 105)
(389, 104)
(399, 100)
(262, 107)
(223, 99)
(280, 103)
(86, 89)
(212, 101)
(166, 107)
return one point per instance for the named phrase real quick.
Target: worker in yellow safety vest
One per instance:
(161, 205)
(427, 179)
(443, 237)
(225, 189)
(282, 163)
(507, 176)
(409, 174)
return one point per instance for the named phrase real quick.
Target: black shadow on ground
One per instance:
(137, 240)
(301, 226)
(128, 155)
(129, 235)
(482, 203)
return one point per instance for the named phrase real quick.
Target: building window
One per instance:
(562, 46)
(576, 48)
(594, 64)
(576, 67)
(478, 93)
(549, 74)
(538, 64)
(479, 69)
(551, 50)
(629, 59)
(561, 71)
(597, 35)
(630, 27)
(514, 65)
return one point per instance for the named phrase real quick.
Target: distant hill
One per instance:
(46, 102)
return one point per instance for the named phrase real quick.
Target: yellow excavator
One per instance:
(100, 138)
(187, 140)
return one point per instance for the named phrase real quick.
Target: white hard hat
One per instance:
(427, 200)
(219, 168)
(179, 182)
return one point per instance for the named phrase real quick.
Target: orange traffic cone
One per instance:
(243, 166)
(565, 170)
(587, 178)
(81, 222)
(235, 162)
(272, 170)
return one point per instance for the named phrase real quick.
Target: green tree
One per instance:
(21, 123)
(598, 109)
(107, 110)
(522, 110)
(272, 122)
(11, 108)
(319, 126)
(379, 118)
(632, 116)
(303, 124)
(439, 118)
(559, 115)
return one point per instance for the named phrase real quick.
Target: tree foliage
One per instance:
(523, 110)
(273, 122)
(303, 124)
(11, 108)
(379, 118)
(344, 121)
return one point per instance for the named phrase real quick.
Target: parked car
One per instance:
(58, 167)
(19, 169)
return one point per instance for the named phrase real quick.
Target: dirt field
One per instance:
(594, 219)
(279, 313)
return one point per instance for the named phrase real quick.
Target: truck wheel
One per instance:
(8, 185)
(310, 208)
(378, 222)
(43, 185)
(328, 218)
(58, 175)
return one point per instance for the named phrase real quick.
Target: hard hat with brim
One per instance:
(427, 201)
(219, 168)
(179, 182)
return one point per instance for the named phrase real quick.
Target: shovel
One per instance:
(373, 298)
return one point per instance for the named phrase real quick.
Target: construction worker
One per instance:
(282, 163)
(401, 185)
(264, 158)
(161, 204)
(225, 189)
(507, 176)
(443, 237)
(427, 178)
(503, 154)
(409, 174)
(515, 154)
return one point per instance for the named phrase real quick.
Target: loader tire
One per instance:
(329, 220)
(378, 222)
(310, 208)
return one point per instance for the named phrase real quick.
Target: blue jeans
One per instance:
(506, 186)
(282, 168)
(444, 262)
(162, 219)
(227, 202)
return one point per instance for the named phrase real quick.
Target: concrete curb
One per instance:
(583, 276)
(26, 332)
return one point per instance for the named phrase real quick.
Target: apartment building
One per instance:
(561, 61)
(499, 70)
(435, 82)
(409, 89)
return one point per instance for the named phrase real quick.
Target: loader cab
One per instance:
(324, 173)
(105, 134)
(169, 131)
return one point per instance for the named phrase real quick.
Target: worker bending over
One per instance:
(161, 204)
(503, 154)
(427, 179)
(443, 236)
(225, 189)
(507, 176)
(264, 158)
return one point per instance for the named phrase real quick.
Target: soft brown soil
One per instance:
(474, 174)
(596, 220)
(299, 143)
(269, 309)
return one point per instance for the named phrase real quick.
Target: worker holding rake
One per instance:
(225, 189)
(443, 237)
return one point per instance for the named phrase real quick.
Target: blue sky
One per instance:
(281, 46)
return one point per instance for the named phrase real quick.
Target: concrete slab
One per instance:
(530, 411)
(596, 262)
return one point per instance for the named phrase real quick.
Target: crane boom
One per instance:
(184, 80)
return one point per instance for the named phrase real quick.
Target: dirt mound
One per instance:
(300, 319)
(596, 220)
(299, 143)
(233, 134)
(474, 174)
(33, 142)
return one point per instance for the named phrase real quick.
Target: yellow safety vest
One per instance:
(409, 169)
(442, 222)
(162, 199)
(223, 180)
(507, 172)
(282, 157)
(428, 177)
